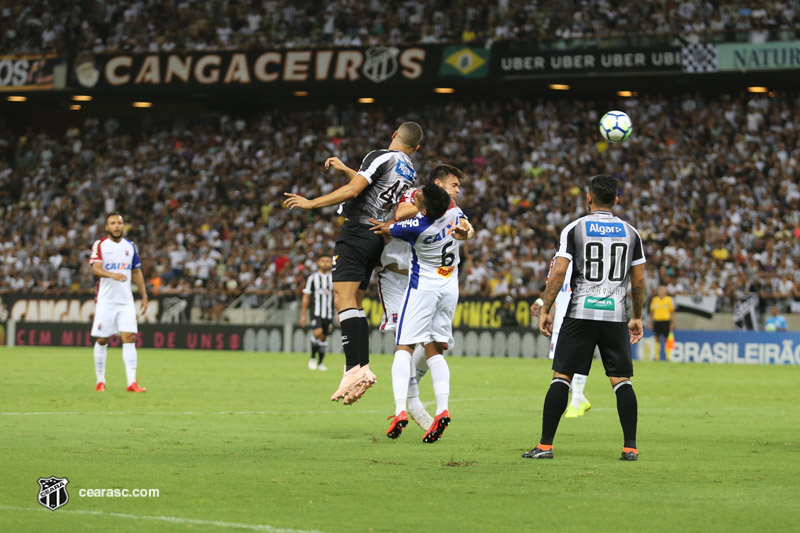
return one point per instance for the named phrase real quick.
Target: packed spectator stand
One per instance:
(67, 26)
(711, 183)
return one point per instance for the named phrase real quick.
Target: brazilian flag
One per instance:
(465, 62)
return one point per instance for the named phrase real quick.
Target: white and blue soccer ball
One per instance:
(616, 126)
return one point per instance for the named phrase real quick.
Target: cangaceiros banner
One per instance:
(343, 66)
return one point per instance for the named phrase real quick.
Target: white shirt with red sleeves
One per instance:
(118, 257)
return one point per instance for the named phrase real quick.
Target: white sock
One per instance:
(414, 402)
(440, 375)
(420, 362)
(129, 356)
(401, 374)
(577, 386)
(100, 352)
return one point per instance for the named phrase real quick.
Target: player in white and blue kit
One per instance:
(430, 301)
(115, 261)
(393, 281)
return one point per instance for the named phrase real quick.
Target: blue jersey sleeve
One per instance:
(136, 263)
(409, 230)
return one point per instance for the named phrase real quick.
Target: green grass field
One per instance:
(237, 441)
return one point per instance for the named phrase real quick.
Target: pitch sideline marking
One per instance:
(222, 413)
(173, 520)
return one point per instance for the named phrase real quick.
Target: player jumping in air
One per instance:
(393, 281)
(371, 194)
(430, 300)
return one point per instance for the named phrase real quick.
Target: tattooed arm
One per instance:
(554, 284)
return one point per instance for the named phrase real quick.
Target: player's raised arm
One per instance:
(336, 163)
(342, 194)
(463, 231)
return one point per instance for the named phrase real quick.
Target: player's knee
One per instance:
(102, 342)
(559, 375)
(616, 383)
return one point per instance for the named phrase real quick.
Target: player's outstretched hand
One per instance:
(119, 277)
(295, 200)
(336, 163)
(636, 330)
(380, 228)
(545, 324)
(463, 231)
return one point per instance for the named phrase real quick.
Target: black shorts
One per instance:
(661, 328)
(325, 323)
(577, 340)
(356, 254)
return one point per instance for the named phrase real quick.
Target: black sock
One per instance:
(351, 324)
(555, 403)
(321, 350)
(363, 341)
(627, 408)
(314, 348)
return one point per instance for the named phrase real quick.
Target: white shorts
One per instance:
(553, 341)
(113, 318)
(427, 316)
(392, 289)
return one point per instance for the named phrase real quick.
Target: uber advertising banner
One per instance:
(28, 72)
(344, 66)
(520, 59)
(736, 347)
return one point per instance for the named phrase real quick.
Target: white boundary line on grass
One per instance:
(223, 413)
(172, 520)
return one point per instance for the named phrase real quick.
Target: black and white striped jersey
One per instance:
(320, 287)
(602, 248)
(389, 173)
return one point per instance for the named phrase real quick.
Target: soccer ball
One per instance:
(771, 328)
(616, 126)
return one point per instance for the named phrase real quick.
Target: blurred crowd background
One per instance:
(113, 26)
(710, 182)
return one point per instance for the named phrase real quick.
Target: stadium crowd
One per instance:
(712, 185)
(185, 25)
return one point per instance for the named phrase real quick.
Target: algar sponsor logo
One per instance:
(605, 229)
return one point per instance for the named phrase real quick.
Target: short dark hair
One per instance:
(113, 214)
(440, 172)
(410, 134)
(436, 200)
(603, 189)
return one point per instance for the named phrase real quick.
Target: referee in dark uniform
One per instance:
(319, 290)
(372, 192)
(605, 253)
